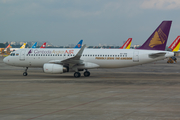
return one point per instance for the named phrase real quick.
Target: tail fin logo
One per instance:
(159, 38)
(79, 45)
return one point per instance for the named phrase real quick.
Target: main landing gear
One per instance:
(86, 73)
(25, 72)
(78, 74)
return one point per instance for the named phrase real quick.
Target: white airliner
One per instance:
(57, 61)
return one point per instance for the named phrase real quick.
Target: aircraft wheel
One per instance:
(77, 74)
(86, 74)
(25, 74)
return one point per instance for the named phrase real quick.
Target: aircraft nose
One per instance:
(5, 60)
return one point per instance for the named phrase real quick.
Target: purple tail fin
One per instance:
(158, 40)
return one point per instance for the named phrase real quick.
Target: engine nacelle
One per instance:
(54, 68)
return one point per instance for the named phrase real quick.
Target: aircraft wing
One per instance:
(155, 55)
(72, 60)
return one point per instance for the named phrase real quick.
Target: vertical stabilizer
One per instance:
(44, 45)
(127, 44)
(8, 46)
(34, 46)
(158, 39)
(79, 44)
(175, 45)
(23, 46)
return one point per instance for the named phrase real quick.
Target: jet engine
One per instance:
(54, 68)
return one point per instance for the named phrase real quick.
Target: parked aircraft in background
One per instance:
(14, 49)
(8, 46)
(23, 46)
(34, 46)
(175, 45)
(57, 61)
(127, 44)
(44, 45)
(79, 44)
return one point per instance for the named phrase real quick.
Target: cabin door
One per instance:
(22, 55)
(136, 56)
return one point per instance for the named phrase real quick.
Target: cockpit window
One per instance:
(12, 54)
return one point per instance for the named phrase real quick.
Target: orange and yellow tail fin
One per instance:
(127, 44)
(175, 45)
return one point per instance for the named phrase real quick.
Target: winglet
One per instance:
(78, 55)
(79, 44)
(76, 58)
(175, 45)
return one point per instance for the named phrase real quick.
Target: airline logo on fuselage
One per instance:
(51, 52)
(159, 38)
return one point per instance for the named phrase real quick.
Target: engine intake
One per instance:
(54, 68)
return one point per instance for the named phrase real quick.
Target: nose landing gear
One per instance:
(25, 73)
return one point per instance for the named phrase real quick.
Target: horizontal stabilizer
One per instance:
(155, 55)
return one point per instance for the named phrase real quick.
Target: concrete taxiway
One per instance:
(144, 92)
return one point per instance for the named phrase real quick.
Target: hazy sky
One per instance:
(63, 22)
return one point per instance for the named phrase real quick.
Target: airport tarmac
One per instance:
(145, 92)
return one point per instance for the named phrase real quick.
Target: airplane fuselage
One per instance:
(106, 58)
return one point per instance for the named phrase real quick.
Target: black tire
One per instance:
(25, 74)
(77, 74)
(86, 74)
